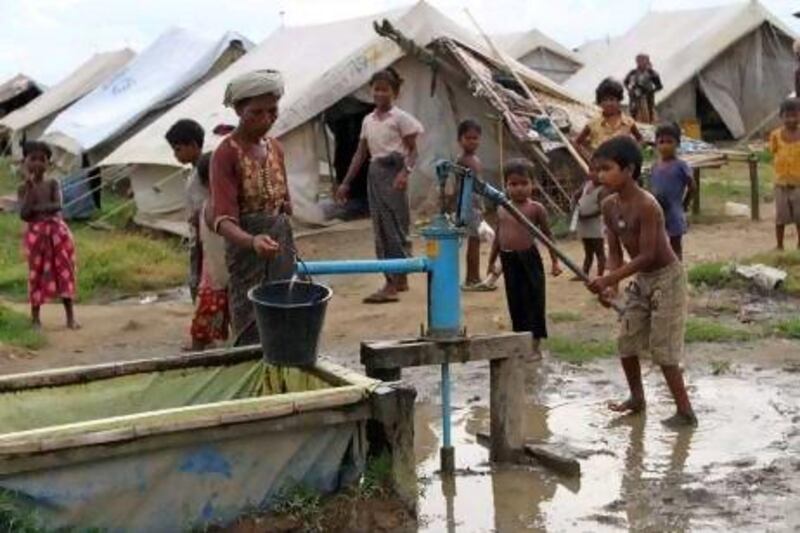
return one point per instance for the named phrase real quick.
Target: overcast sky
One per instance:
(46, 39)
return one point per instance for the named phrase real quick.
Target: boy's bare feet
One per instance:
(629, 406)
(36, 324)
(73, 324)
(536, 350)
(681, 420)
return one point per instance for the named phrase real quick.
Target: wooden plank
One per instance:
(29, 456)
(506, 407)
(181, 418)
(755, 197)
(416, 352)
(696, 199)
(327, 371)
(556, 459)
(83, 374)
(391, 431)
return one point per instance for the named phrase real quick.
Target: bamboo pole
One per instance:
(532, 97)
(755, 200)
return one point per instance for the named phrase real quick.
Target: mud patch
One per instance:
(738, 470)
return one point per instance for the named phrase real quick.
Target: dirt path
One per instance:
(113, 332)
(637, 475)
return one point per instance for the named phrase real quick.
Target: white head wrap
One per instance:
(255, 83)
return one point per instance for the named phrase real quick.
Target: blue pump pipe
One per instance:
(444, 293)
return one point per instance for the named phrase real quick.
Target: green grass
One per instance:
(561, 317)
(8, 181)
(704, 330)
(559, 226)
(110, 263)
(580, 351)
(16, 330)
(717, 274)
(714, 274)
(377, 477)
(788, 261)
(731, 183)
(17, 516)
(789, 329)
(301, 503)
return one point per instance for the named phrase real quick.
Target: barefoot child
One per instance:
(655, 306)
(47, 241)
(784, 143)
(522, 264)
(672, 184)
(186, 139)
(590, 225)
(211, 320)
(611, 122)
(389, 138)
(469, 139)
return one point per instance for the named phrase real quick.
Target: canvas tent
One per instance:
(29, 122)
(161, 75)
(541, 53)
(17, 92)
(727, 68)
(326, 68)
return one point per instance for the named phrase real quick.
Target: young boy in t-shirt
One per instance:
(672, 184)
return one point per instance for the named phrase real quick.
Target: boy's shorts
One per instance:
(655, 315)
(787, 205)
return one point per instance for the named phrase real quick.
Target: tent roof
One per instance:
(82, 80)
(165, 70)
(680, 44)
(17, 85)
(320, 63)
(519, 44)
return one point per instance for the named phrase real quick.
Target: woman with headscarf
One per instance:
(250, 201)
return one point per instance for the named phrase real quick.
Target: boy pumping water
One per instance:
(655, 300)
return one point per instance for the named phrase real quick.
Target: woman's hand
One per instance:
(342, 193)
(401, 180)
(265, 246)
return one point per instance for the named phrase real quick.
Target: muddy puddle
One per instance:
(740, 469)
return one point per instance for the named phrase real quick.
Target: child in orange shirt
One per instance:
(784, 143)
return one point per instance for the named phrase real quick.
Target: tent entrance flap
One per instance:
(343, 120)
(712, 126)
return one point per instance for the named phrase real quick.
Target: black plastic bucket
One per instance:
(289, 316)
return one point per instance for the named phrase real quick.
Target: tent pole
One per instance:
(532, 97)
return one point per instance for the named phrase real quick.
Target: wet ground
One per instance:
(740, 469)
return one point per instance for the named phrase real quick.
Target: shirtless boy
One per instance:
(655, 300)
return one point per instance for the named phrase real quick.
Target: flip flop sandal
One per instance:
(381, 297)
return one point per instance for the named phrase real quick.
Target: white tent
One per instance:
(162, 74)
(725, 67)
(29, 122)
(541, 53)
(322, 66)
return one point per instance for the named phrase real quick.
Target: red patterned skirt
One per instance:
(211, 320)
(50, 250)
